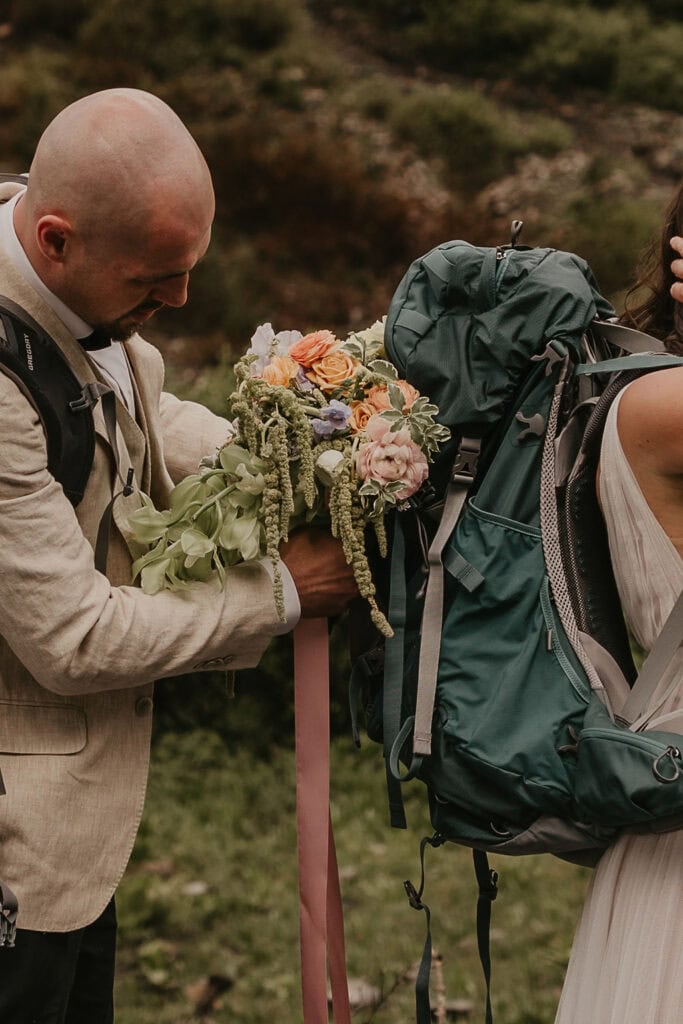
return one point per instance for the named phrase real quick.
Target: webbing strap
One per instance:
(423, 1010)
(626, 338)
(392, 692)
(654, 666)
(320, 909)
(487, 881)
(430, 645)
(635, 362)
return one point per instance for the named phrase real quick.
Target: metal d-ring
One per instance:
(671, 753)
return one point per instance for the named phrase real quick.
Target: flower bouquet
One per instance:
(323, 432)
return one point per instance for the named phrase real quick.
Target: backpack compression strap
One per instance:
(35, 363)
(30, 357)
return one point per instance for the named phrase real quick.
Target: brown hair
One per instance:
(657, 313)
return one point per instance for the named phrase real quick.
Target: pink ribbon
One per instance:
(320, 909)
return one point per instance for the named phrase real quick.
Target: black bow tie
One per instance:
(95, 340)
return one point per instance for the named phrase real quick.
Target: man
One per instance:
(117, 212)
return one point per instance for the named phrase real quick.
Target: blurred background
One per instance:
(347, 137)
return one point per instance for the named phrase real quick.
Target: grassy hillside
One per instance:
(346, 138)
(209, 916)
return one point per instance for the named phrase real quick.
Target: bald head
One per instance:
(118, 209)
(117, 160)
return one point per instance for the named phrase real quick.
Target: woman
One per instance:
(626, 965)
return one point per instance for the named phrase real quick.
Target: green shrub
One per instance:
(375, 96)
(480, 36)
(35, 19)
(611, 232)
(168, 38)
(35, 86)
(476, 138)
(651, 70)
(580, 48)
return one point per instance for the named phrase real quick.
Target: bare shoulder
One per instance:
(651, 422)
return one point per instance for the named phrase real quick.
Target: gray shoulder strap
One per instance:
(654, 666)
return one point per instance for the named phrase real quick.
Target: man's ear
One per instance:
(53, 234)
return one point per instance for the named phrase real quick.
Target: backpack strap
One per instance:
(462, 477)
(626, 338)
(654, 666)
(30, 357)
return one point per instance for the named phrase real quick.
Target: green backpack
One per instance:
(508, 633)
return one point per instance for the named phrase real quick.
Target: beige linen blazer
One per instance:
(79, 651)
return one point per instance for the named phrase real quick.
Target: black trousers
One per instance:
(60, 977)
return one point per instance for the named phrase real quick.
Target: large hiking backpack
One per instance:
(509, 643)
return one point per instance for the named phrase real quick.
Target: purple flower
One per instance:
(302, 381)
(334, 418)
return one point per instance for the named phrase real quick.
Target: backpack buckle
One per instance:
(89, 397)
(467, 459)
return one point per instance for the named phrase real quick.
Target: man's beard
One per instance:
(118, 330)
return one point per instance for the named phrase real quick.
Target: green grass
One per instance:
(212, 891)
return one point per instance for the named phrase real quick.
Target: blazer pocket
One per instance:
(41, 728)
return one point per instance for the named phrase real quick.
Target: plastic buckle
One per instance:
(413, 895)
(467, 460)
(89, 397)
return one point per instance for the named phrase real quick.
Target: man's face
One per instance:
(118, 288)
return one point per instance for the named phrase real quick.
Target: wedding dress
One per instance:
(626, 965)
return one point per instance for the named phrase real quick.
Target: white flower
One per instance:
(371, 339)
(284, 340)
(265, 344)
(327, 465)
(261, 345)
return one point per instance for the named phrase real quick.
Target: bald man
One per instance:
(116, 215)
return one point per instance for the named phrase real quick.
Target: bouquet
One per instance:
(323, 432)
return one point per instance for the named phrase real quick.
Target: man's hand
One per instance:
(324, 582)
(677, 268)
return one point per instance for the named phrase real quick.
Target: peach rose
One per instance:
(378, 396)
(280, 370)
(312, 346)
(360, 414)
(389, 455)
(333, 369)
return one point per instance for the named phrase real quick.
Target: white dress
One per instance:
(626, 965)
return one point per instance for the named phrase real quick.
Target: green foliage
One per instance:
(212, 890)
(650, 69)
(580, 48)
(626, 49)
(610, 233)
(33, 19)
(476, 137)
(167, 38)
(34, 89)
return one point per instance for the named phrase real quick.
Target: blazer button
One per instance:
(143, 706)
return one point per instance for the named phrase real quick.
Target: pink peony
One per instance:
(389, 456)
